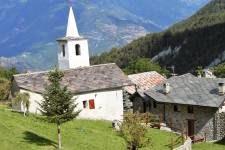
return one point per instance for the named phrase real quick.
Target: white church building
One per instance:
(98, 89)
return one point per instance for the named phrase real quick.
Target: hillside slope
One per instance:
(32, 133)
(197, 41)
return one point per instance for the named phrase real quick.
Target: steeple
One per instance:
(71, 25)
(73, 49)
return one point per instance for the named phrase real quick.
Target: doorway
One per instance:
(191, 128)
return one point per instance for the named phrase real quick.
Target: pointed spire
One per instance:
(72, 26)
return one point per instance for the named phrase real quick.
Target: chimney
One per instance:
(221, 88)
(208, 74)
(199, 76)
(166, 87)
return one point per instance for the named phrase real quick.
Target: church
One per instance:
(98, 89)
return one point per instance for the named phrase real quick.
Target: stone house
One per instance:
(194, 105)
(98, 89)
(136, 98)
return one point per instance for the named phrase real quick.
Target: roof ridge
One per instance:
(39, 72)
(182, 76)
(145, 73)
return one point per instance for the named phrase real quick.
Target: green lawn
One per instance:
(31, 133)
(210, 146)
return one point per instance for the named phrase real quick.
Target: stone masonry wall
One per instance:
(220, 117)
(127, 103)
(204, 119)
(208, 121)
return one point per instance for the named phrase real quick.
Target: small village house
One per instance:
(98, 89)
(192, 104)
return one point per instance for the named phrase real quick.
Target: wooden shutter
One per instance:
(91, 104)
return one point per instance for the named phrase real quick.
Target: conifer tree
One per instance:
(58, 105)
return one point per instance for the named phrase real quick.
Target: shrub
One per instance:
(4, 89)
(133, 131)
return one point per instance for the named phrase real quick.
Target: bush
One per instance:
(133, 131)
(4, 89)
(219, 70)
(7, 73)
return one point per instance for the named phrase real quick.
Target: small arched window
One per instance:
(63, 50)
(77, 49)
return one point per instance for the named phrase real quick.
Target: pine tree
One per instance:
(58, 104)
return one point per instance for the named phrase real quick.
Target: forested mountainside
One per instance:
(197, 41)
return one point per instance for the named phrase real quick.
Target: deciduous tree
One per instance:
(144, 65)
(24, 99)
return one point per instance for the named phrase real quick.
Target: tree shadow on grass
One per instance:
(221, 142)
(33, 138)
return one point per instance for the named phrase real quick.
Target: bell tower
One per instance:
(73, 49)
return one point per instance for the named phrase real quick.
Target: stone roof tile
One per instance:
(144, 81)
(188, 89)
(83, 79)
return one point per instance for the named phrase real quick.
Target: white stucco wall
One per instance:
(71, 60)
(108, 104)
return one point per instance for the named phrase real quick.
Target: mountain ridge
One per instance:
(197, 41)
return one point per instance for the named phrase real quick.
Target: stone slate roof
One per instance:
(144, 81)
(190, 90)
(84, 79)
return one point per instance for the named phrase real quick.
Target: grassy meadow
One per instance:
(220, 145)
(32, 133)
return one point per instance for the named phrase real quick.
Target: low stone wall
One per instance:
(186, 146)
